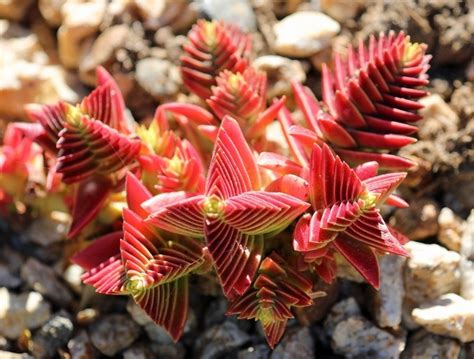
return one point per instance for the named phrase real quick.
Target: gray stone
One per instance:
(23, 311)
(430, 271)
(340, 311)
(220, 339)
(137, 352)
(424, 345)
(389, 298)
(113, 333)
(261, 351)
(450, 315)
(296, 343)
(44, 280)
(297, 36)
(160, 78)
(52, 336)
(358, 337)
(80, 346)
(237, 12)
(47, 231)
(171, 351)
(7, 279)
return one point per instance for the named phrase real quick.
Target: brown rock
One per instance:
(419, 221)
(51, 11)
(14, 9)
(451, 228)
(80, 22)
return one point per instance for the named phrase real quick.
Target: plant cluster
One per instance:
(218, 188)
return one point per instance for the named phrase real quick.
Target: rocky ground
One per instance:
(425, 307)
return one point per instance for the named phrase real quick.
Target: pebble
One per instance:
(296, 343)
(47, 231)
(160, 78)
(220, 339)
(80, 346)
(280, 71)
(389, 298)
(430, 271)
(467, 261)
(172, 351)
(52, 336)
(113, 333)
(261, 351)
(7, 279)
(424, 345)
(419, 221)
(449, 315)
(358, 337)
(342, 310)
(10, 355)
(450, 229)
(51, 11)
(43, 279)
(104, 50)
(237, 12)
(81, 20)
(438, 118)
(341, 10)
(23, 311)
(137, 352)
(304, 34)
(467, 241)
(14, 9)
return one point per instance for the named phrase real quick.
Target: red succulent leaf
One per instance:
(235, 245)
(175, 213)
(106, 103)
(212, 47)
(88, 147)
(167, 305)
(385, 160)
(346, 217)
(262, 212)
(137, 193)
(296, 148)
(371, 96)
(275, 291)
(183, 171)
(361, 257)
(257, 128)
(290, 184)
(89, 198)
(108, 277)
(233, 168)
(331, 180)
(235, 255)
(51, 118)
(384, 184)
(240, 95)
(278, 163)
(99, 251)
